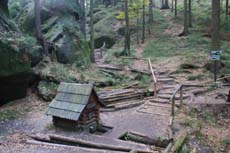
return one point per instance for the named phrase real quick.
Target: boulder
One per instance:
(47, 90)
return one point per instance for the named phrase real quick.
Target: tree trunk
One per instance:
(190, 13)
(92, 31)
(172, 8)
(175, 7)
(165, 4)
(227, 9)
(83, 19)
(127, 31)
(143, 22)
(39, 35)
(137, 33)
(154, 3)
(4, 6)
(150, 15)
(185, 32)
(215, 44)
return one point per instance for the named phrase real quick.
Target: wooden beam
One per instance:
(89, 144)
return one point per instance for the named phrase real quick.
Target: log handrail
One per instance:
(153, 77)
(151, 71)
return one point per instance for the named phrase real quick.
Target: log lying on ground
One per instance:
(139, 71)
(110, 98)
(135, 84)
(116, 68)
(114, 92)
(110, 67)
(80, 142)
(140, 138)
(40, 138)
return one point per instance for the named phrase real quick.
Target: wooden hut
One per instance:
(76, 106)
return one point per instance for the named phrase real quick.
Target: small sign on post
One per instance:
(215, 56)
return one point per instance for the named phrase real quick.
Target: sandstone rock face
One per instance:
(60, 25)
(14, 61)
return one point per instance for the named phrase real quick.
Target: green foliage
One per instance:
(189, 123)
(184, 149)
(208, 117)
(143, 79)
(133, 8)
(12, 59)
(226, 141)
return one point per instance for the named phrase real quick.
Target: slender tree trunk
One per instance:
(190, 13)
(83, 19)
(175, 8)
(172, 8)
(137, 26)
(127, 31)
(143, 22)
(185, 32)
(215, 44)
(227, 9)
(39, 35)
(4, 6)
(150, 15)
(92, 31)
(165, 4)
(154, 3)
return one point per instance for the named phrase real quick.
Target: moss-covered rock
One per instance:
(47, 90)
(14, 61)
(60, 25)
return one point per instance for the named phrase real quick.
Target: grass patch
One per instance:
(189, 123)
(225, 141)
(199, 77)
(9, 115)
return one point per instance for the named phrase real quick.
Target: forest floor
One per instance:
(205, 115)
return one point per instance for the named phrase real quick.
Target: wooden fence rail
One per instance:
(153, 77)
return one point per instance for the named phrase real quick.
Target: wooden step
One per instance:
(164, 96)
(166, 80)
(158, 100)
(163, 105)
(128, 105)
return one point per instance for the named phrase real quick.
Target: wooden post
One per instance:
(228, 96)
(181, 97)
(173, 106)
(155, 90)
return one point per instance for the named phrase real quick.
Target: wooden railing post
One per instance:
(153, 77)
(181, 96)
(173, 106)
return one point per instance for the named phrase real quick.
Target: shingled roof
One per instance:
(70, 100)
